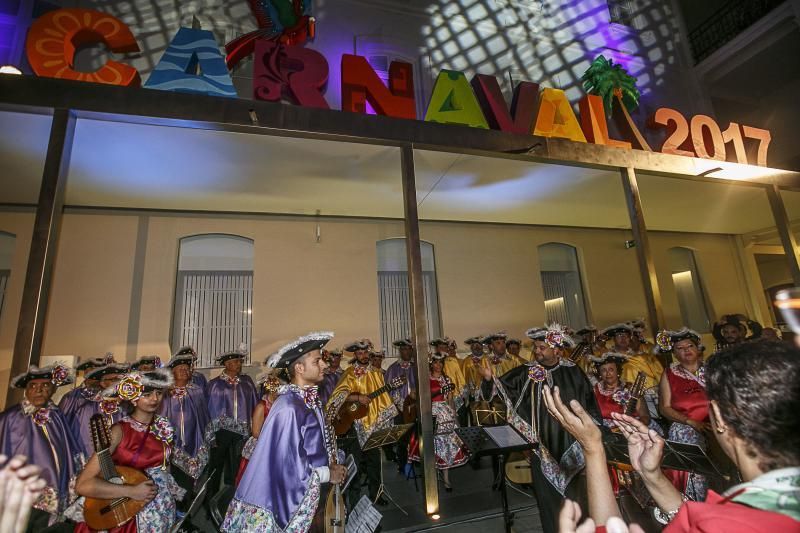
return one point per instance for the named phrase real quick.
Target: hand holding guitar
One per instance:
(143, 492)
(338, 473)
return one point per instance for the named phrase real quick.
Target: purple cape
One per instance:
(198, 378)
(60, 457)
(329, 382)
(231, 406)
(189, 416)
(396, 370)
(280, 484)
(75, 398)
(79, 424)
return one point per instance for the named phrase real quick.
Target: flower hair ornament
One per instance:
(554, 335)
(133, 385)
(130, 387)
(60, 375)
(664, 340)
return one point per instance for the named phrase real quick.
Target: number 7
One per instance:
(761, 135)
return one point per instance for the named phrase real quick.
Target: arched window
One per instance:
(213, 295)
(6, 254)
(564, 301)
(395, 309)
(689, 289)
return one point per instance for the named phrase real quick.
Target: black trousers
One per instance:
(225, 457)
(369, 469)
(550, 500)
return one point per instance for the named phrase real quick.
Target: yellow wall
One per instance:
(114, 279)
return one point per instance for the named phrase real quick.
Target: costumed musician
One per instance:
(198, 378)
(141, 440)
(231, 397)
(296, 452)
(357, 383)
(448, 447)
(404, 397)
(84, 392)
(108, 406)
(333, 373)
(683, 401)
(185, 406)
(37, 429)
(558, 459)
(471, 365)
(147, 363)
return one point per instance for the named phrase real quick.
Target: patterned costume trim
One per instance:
(158, 516)
(47, 501)
(231, 424)
(194, 466)
(516, 421)
(385, 419)
(243, 516)
(249, 448)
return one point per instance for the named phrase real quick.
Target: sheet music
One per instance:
(505, 436)
(364, 518)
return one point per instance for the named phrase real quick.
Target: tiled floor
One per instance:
(472, 504)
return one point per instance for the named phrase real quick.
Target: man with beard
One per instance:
(558, 459)
(333, 373)
(357, 383)
(296, 451)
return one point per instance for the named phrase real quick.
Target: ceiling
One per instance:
(117, 164)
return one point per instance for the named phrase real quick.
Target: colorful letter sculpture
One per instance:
(291, 72)
(54, 38)
(523, 106)
(453, 102)
(556, 118)
(360, 84)
(192, 63)
(593, 122)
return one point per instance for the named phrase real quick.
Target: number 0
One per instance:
(705, 131)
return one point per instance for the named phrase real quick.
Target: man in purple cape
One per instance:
(78, 396)
(231, 399)
(198, 378)
(37, 429)
(333, 373)
(185, 407)
(296, 450)
(107, 375)
(404, 367)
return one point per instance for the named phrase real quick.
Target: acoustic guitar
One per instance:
(349, 412)
(107, 514)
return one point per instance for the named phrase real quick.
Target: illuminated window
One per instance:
(689, 289)
(395, 309)
(561, 282)
(6, 252)
(213, 295)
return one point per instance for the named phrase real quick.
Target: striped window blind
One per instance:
(564, 301)
(395, 308)
(213, 312)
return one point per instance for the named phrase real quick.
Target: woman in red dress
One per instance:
(448, 447)
(270, 383)
(682, 400)
(142, 440)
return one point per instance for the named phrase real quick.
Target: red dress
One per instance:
(250, 445)
(607, 405)
(720, 514)
(688, 397)
(140, 450)
(448, 447)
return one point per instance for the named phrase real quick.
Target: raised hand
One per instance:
(645, 446)
(574, 419)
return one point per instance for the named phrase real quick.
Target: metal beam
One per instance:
(419, 327)
(784, 227)
(148, 106)
(652, 294)
(35, 294)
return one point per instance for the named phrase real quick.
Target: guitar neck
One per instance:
(107, 468)
(636, 393)
(374, 394)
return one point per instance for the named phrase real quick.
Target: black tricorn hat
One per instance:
(113, 368)
(499, 335)
(95, 362)
(290, 353)
(403, 342)
(57, 374)
(363, 344)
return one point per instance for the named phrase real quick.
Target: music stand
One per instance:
(677, 455)
(479, 443)
(193, 507)
(379, 439)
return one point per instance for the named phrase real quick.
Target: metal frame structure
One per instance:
(69, 101)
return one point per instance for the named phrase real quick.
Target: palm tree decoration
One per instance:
(612, 83)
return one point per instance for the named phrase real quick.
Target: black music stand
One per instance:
(379, 439)
(677, 455)
(479, 443)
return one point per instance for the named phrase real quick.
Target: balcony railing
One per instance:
(726, 23)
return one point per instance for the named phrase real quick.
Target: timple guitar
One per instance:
(107, 514)
(349, 412)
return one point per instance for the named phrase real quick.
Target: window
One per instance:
(561, 282)
(6, 253)
(689, 289)
(395, 308)
(214, 295)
